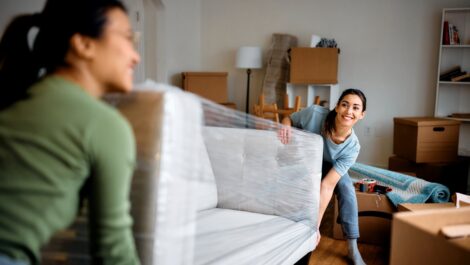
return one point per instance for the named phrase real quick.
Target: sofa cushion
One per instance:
(206, 190)
(226, 236)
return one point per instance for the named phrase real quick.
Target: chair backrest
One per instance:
(270, 112)
(266, 111)
(297, 103)
(287, 110)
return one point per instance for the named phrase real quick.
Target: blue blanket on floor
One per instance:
(404, 188)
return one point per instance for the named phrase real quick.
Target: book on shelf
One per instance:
(461, 78)
(460, 115)
(466, 79)
(453, 72)
(445, 33)
(455, 35)
(450, 34)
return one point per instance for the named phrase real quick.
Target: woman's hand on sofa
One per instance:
(285, 134)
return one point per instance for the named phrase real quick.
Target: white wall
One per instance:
(154, 27)
(10, 8)
(182, 38)
(389, 49)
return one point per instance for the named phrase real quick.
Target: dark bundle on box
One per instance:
(455, 75)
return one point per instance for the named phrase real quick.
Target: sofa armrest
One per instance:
(255, 172)
(164, 181)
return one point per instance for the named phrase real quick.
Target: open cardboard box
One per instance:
(375, 218)
(417, 238)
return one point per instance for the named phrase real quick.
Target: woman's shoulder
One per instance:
(310, 118)
(354, 141)
(315, 109)
(68, 101)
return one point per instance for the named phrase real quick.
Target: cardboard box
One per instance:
(375, 218)
(210, 85)
(453, 175)
(426, 140)
(413, 207)
(314, 66)
(416, 238)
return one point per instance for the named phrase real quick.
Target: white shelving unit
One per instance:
(454, 97)
(328, 92)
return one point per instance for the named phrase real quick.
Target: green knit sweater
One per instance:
(50, 143)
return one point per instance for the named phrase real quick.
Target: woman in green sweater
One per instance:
(56, 134)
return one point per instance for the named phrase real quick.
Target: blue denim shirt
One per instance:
(342, 155)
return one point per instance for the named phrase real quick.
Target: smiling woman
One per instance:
(341, 148)
(57, 137)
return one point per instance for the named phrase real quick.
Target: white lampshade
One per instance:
(249, 57)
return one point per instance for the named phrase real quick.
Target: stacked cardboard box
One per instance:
(314, 66)
(428, 147)
(210, 85)
(426, 140)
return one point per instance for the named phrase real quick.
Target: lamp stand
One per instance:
(248, 72)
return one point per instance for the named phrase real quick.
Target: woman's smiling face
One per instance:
(349, 110)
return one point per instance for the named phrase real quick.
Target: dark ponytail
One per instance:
(21, 65)
(18, 66)
(329, 124)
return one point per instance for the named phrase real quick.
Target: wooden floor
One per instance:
(335, 252)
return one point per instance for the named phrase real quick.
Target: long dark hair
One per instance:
(20, 64)
(329, 125)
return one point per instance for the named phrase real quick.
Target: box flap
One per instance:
(423, 206)
(425, 121)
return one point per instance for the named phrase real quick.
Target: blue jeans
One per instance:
(347, 204)
(4, 260)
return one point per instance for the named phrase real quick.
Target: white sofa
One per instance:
(258, 202)
(205, 193)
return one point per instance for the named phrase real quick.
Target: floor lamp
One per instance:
(249, 58)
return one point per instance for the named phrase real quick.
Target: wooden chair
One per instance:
(266, 111)
(286, 111)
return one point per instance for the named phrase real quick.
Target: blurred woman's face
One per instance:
(115, 60)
